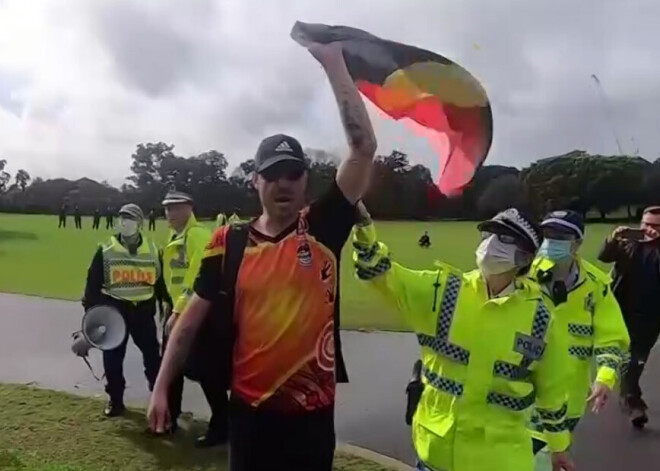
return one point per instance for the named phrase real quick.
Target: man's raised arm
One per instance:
(354, 171)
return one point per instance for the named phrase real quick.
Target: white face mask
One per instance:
(128, 227)
(495, 257)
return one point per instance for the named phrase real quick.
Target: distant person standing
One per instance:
(636, 286)
(62, 219)
(97, 219)
(109, 218)
(220, 220)
(77, 218)
(152, 220)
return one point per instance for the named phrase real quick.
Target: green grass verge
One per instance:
(45, 430)
(39, 259)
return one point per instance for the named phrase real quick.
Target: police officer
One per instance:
(586, 313)
(126, 273)
(181, 260)
(220, 219)
(489, 350)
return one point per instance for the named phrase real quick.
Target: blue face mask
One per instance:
(555, 250)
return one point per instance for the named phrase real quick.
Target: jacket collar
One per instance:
(514, 290)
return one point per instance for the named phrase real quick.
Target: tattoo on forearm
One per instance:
(351, 119)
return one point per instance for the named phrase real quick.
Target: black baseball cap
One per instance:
(277, 149)
(565, 221)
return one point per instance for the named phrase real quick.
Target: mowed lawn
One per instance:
(43, 430)
(37, 258)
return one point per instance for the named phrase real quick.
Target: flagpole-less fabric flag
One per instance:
(408, 82)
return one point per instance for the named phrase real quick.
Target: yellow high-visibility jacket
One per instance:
(220, 220)
(485, 362)
(233, 218)
(182, 257)
(592, 323)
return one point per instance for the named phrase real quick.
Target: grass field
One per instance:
(37, 258)
(44, 430)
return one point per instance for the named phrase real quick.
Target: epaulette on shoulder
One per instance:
(107, 244)
(528, 289)
(596, 274)
(591, 276)
(452, 269)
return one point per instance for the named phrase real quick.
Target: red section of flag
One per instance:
(460, 141)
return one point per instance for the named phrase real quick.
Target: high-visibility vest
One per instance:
(233, 218)
(485, 363)
(221, 220)
(591, 321)
(181, 261)
(130, 277)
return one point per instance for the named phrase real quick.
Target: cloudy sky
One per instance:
(83, 81)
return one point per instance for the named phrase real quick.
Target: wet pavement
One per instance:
(35, 339)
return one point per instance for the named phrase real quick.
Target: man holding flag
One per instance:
(286, 358)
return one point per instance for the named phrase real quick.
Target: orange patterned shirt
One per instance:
(286, 307)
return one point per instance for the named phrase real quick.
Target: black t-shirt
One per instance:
(287, 307)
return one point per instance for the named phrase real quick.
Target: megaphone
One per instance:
(103, 327)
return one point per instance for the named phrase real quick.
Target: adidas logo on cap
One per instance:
(283, 147)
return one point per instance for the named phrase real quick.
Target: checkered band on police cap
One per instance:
(177, 197)
(521, 223)
(565, 220)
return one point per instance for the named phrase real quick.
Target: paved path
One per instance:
(35, 347)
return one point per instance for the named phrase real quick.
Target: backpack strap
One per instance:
(212, 352)
(224, 325)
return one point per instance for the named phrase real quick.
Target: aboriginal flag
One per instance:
(407, 82)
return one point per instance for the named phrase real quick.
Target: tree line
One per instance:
(399, 189)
